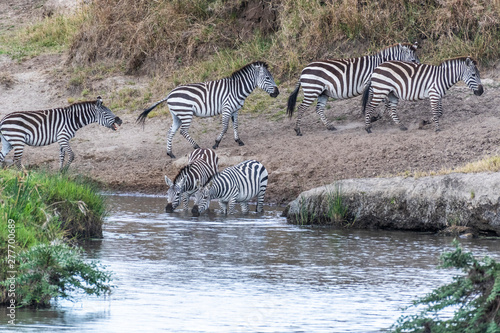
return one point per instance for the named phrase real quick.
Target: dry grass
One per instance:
(175, 42)
(487, 164)
(198, 40)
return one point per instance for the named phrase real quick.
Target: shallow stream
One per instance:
(252, 273)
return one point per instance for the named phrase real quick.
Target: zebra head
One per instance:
(471, 76)
(105, 117)
(265, 80)
(201, 198)
(175, 189)
(402, 52)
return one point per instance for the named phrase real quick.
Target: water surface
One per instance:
(254, 273)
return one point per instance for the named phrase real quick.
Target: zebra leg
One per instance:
(176, 123)
(65, 148)
(393, 103)
(244, 207)
(260, 201)
(185, 200)
(234, 118)
(225, 123)
(437, 110)
(6, 148)
(18, 154)
(223, 207)
(320, 110)
(306, 103)
(231, 205)
(373, 103)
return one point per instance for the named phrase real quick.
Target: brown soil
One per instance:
(134, 159)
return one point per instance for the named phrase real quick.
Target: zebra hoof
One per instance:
(196, 146)
(297, 130)
(438, 130)
(403, 128)
(171, 155)
(331, 128)
(368, 129)
(240, 142)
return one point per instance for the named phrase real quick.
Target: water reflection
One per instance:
(248, 274)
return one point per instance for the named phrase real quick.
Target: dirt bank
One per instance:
(134, 159)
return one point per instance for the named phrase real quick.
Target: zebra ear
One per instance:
(169, 182)
(99, 101)
(415, 45)
(468, 61)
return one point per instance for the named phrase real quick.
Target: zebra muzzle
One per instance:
(169, 208)
(117, 123)
(275, 93)
(195, 211)
(479, 91)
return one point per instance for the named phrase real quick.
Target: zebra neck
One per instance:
(450, 73)
(244, 84)
(82, 115)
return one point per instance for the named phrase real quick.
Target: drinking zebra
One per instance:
(236, 184)
(42, 128)
(395, 80)
(341, 79)
(202, 164)
(225, 96)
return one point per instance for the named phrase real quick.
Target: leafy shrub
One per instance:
(54, 270)
(475, 296)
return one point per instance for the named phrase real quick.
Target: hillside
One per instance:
(134, 159)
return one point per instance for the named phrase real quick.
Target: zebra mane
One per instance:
(180, 172)
(236, 73)
(408, 45)
(462, 58)
(81, 103)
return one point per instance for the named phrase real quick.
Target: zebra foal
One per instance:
(42, 128)
(341, 79)
(236, 184)
(225, 96)
(395, 80)
(202, 164)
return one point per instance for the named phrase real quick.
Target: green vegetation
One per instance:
(54, 34)
(487, 164)
(336, 210)
(45, 209)
(333, 210)
(475, 297)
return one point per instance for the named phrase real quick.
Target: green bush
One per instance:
(44, 209)
(475, 296)
(54, 270)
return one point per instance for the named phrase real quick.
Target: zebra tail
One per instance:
(142, 117)
(292, 100)
(366, 96)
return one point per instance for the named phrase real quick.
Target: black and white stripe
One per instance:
(41, 128)
(341, 79)
(225, 96)
(202, 165)
(236, 184)
(395, 80)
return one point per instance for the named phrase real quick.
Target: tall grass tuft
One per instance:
(45, 209)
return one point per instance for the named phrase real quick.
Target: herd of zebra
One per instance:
(392, 74)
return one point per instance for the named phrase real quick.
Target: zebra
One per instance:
(225, 96)
(236, 184)
(341, 79)
(396, 80)
(44, 127)
(202, 164)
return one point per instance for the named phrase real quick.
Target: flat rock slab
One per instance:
(431, 203)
